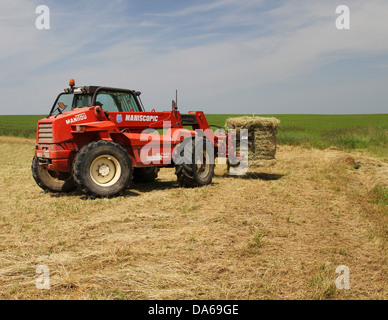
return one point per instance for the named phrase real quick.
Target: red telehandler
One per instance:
(99, 139)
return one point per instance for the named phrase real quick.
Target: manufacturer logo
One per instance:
(159, 157)
(77, 118)
(136, 117)
(119, 118)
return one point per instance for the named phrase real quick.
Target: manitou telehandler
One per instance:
(99, 139)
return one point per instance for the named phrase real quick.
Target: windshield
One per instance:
(69, 101)
(109, 100)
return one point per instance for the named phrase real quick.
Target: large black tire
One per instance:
(102, 169)
(190, 172)
(147, 174)
(52, 181)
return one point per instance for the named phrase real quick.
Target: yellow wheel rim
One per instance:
(203, 165)
(105, 170)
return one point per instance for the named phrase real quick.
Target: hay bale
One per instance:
(262, 134)
(252, 123)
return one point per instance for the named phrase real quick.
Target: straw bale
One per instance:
(251, 123)
(263, 137)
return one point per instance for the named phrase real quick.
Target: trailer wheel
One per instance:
(102, 169)
(52, 181)
(197, 166)
(147, 174)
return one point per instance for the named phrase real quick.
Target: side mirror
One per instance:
(61, 105)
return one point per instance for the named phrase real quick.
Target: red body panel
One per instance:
(60, 137)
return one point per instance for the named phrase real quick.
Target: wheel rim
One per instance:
(105, 170)
(58, 176)
(203, 165)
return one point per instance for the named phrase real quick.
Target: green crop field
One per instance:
(19, 126)
(347, 132)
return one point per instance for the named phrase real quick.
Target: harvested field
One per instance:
(278, 233)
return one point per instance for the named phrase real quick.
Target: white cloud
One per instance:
(196, 9)
(215, 69)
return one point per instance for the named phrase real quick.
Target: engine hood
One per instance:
(57, 129)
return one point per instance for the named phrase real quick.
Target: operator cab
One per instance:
(110, 99)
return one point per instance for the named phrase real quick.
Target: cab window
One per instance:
(116, 101)
(82, 100)
(66, 100)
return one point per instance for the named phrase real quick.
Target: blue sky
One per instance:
(229, 56)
